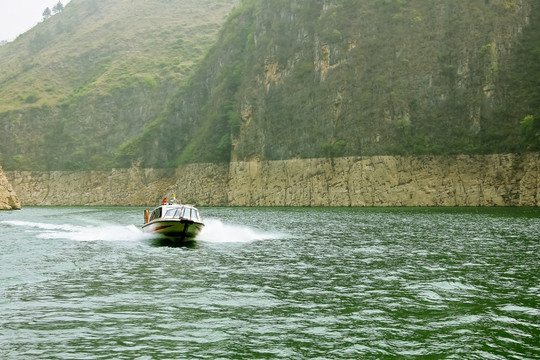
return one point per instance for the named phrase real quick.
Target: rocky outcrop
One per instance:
(8, 198)
(483, 180)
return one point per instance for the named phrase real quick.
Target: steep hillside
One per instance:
(313, 78)
(285, 79)
(81, 83)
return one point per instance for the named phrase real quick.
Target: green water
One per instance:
(272, 283)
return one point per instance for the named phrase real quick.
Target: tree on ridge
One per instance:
(46, 13)
(58, 7)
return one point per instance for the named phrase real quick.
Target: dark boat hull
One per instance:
(177, 229)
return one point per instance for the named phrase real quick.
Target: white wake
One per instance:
(81, 233)
(216, 231)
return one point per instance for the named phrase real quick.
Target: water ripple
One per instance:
(391, 283)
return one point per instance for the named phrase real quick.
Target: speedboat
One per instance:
(173, 220)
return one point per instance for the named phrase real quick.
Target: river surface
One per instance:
(272, 283)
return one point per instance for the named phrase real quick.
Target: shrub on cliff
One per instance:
(530, 127)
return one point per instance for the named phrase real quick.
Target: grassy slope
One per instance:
(100, 44)
(108, 56)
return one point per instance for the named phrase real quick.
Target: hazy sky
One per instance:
(18, 16)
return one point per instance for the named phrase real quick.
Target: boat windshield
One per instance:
(188, 213)
(185, 212)
(169, 213)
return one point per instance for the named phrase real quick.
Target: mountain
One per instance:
(283, 79)
(306, 79)
(84, 81)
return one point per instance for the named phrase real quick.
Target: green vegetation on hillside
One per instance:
(315, 78)
(83, 82)
(519, 79)
(283, 79)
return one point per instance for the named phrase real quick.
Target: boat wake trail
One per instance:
(81, 233)
(216, 231)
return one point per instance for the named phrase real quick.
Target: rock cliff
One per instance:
(8, 198)
(482, 180)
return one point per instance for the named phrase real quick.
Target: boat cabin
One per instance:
(174, 211)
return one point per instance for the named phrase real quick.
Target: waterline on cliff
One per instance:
(376, 181)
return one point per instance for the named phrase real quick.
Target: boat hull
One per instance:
(176, 229)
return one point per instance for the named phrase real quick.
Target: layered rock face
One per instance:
(198, 183)
(487, 180)
(494, 180)
(8, 198)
